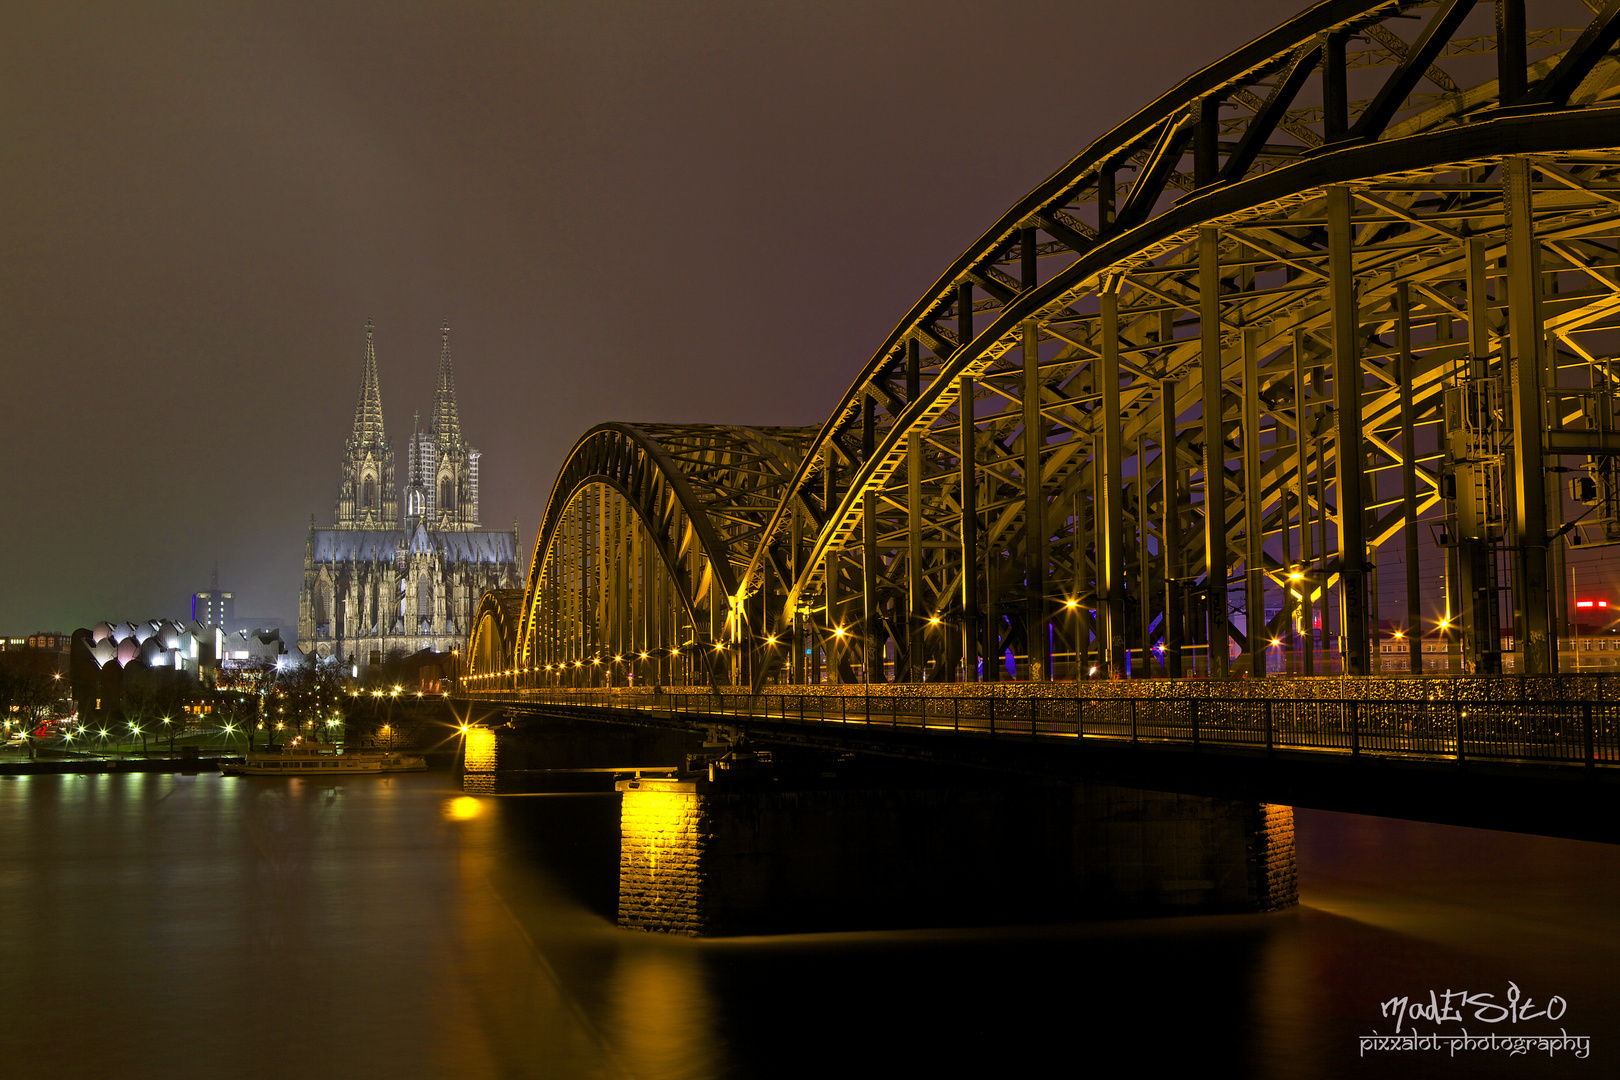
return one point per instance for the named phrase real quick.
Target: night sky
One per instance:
(662, 212)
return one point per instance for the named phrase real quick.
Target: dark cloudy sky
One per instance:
(707, 211)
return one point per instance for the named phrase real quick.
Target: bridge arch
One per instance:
(638, 553)
(1294, 321)
(491, 641)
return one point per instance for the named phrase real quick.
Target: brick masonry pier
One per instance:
(715, 858)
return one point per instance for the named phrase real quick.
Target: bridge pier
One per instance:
(841, 845)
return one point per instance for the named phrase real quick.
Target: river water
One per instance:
(201, 926)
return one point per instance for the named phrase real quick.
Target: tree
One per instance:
(30, 686)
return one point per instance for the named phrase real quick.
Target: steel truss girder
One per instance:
(1422, 175)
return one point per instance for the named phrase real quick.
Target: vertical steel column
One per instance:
(1209, 324)
(1170, 528)
(995, 660)
(1143, 613)
(1537, 648)
(1105, 198)
(1405, 373)
(915, 639)
(1478, 607)
(1348, 452)
(1510, 50)
(796, 634)
(1335, 87)
(1302, 451)
(1034, 502)
(1206, 145)
(1254, 601)
(871, 649)
(1110, 492)
(835, 643)
(968, 472)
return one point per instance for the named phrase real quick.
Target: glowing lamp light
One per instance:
(1071, 604)
(933, 620)
(838, 631)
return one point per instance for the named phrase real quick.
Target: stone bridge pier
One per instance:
(719, 839)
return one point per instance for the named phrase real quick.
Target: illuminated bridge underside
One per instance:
(1348, 296)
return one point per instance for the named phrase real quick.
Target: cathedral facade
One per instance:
(401, 570)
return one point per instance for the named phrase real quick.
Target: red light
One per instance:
(1583, 603)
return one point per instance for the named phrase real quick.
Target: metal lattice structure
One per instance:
(1352, 292)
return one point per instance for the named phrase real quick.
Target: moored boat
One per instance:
(321, 760)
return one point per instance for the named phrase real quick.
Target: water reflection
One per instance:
(201, 926)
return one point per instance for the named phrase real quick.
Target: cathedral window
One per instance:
(424, 598)
(370, 494)
(447, 495)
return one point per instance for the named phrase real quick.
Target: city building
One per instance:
(401, 575)
(213, 607)
(49, 640)
(108, 659)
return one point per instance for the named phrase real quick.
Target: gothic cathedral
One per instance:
(381, 581)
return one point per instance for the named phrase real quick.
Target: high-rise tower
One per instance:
(367, 499)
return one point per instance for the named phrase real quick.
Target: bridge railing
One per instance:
(1568, 732)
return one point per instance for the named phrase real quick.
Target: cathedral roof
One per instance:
(381, 545)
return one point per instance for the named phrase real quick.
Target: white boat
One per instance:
(320, 760)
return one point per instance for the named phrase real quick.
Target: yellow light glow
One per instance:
(933, 620)
(463, 808)
(838, 631)
(1071, 604)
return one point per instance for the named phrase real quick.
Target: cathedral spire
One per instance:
(366, 499)
(368, 417)
(446, 424)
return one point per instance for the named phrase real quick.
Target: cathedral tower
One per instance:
(446, 465)
(367, 499)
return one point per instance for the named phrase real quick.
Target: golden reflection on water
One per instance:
(463, 808)
(662, 1011)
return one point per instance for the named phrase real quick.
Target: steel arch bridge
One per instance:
(1348, 298)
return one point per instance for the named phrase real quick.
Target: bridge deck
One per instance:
(1570, 733)
(1549, 768)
